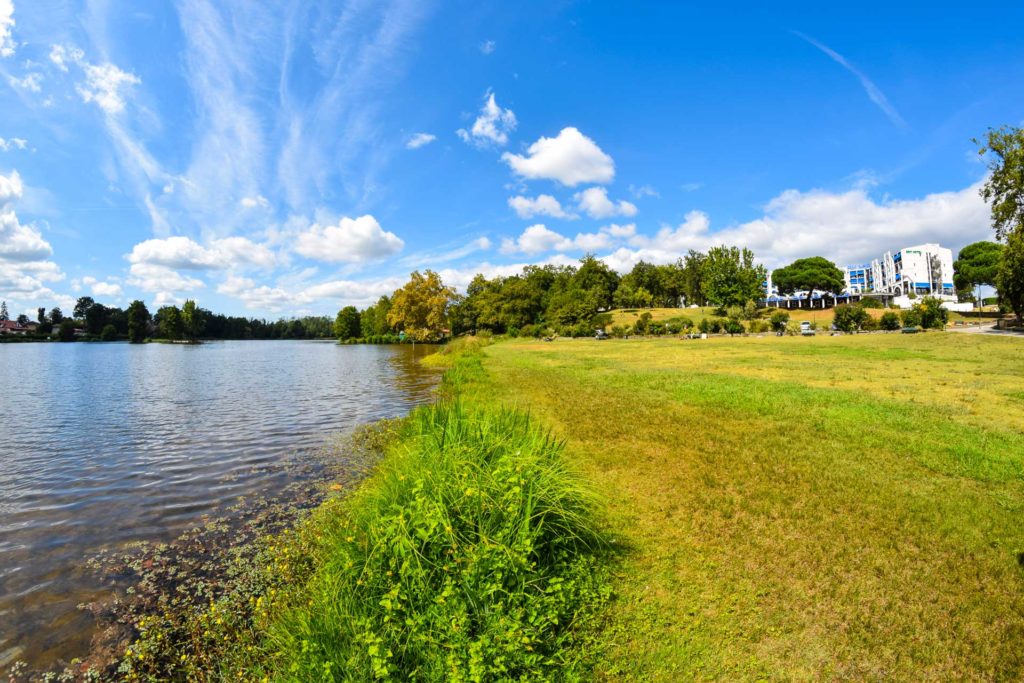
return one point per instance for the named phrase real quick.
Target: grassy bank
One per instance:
(471, 553)
(826, 508)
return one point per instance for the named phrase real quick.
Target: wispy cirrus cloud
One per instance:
(874, 93)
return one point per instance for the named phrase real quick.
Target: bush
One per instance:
(531, 331)
(643, 323)
(911, 317)
(620, 331)
(868, 302)
(66, 331)
(471, 555)
(704, 326)
(108, 333)
(734, 312)
(792, 329)
(733, 327)
(758, 326)
(890, 321)
(779, 320)
(512, 331)
(933, 315)
(870, 323)
(750, 310)
(847, 318)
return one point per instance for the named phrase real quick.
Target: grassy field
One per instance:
(801, 509)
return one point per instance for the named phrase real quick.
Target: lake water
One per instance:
(103, 444)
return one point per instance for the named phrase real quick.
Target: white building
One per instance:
(924, 270)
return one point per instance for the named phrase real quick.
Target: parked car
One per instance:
(806, 329)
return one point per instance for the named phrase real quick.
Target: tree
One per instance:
(346, 325)
(889, 321)
(778, 321)
(109, 333)
(849, 318)
(420, 307)
(1004, 188)
(729, 276)
(191, 320)
(22, 320)
(1010, 279)
(83, 304)
(692, 266)
(4, 316)
(66, 331)
(976, 265)
(96, 317)
(138, 322)
(933, 315)
(809, 274)
(595, 278)
(56, 315)
(169, 322)
(41, 315)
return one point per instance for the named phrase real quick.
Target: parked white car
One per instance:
(806, 329)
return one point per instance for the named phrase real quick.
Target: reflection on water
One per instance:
(103, 444)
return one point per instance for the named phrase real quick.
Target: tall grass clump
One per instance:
(457, 348)
(472, 554)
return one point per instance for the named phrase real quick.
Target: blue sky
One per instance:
(285, 160)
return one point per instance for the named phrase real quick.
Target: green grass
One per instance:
(825, 508)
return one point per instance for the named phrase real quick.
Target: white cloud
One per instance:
(151, 277)
(643, 191)
(488, 46)
(256, 202)
(7, 44)
(8, 144)
(492, 126)
(352, 240)
(19, 243)
(691, 187)
(538, 239)
(570, 158)
(63, 55)
(419, 140)
(108, 289)
(184, 253)
(542, 205)
(104, 84)
(11, 188)
(32, 82)
(259, 297)
(846, 227)
(594, 201)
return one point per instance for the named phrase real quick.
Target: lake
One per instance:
(105, 444)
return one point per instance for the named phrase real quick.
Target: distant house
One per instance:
(12, 327)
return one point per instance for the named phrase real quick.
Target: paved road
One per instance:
(985, 329)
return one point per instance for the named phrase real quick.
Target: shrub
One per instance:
(643, 323)
(717, 325)
(779, 320)
(512, 331)
(870, 323)
(656, 328)
(750, 310)
(734, 312)
(620, 331)
(705, 325)
(911, 317)
(848, 318)
(66, 331)
(758, 326)
(531, 331)
(108, 333)
(868, 302)
(890, 321)
(933, 315)
(733, 326)
(792, 329)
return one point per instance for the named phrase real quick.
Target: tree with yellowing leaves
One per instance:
(420, 307)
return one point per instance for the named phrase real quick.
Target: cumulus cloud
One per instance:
(338, 292)
(491, 127)
(846, 227)
(542, 205)
(256, 202)
(105, 85)
(538, 239)
(259, 297)
(150, 277)
(32, 82)
(184, 253)
(24, 269)
(570, 158)
(419, 140)
(595, 203)
(352, 240)
(101, 288)
(8, 144)
(11, 188)
(7, 44)
(63, 55)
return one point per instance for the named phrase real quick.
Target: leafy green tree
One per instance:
(97, 317)
(22, 320)
(1010, 279)
(420, 307)
(41, 315)
(733, 326)
(729, 276)
(109, 333)
(374, 319)
(169, 322)
(347, 324)
(138, 321)
(815, 273)
(933, 315)
(83, 304)
(1004, 188)
(778, 320)
(692, 267)
(848, 318)
(889, 321)
(976, 265)
(911, 317)
(191, 320)
(66, 331)
(597, 280)
(56, 315)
